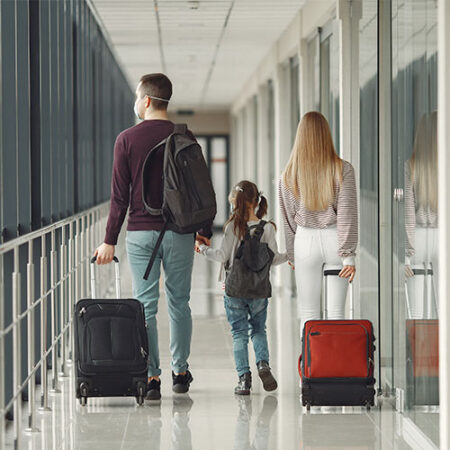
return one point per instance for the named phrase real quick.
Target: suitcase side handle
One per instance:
(117, 276)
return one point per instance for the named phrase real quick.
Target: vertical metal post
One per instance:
(43, 327)
(88, 251)
(16, 350)
(30, 341)
(62, 300)
(54, 351)
(2, 358)
(81, 260)
(77, 260)
(87, 254)
(70, 288)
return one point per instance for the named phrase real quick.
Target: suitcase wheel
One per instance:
(83, 394)
(368, 406)
(141, 394)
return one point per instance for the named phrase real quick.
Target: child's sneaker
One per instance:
(269, 382)
(244, 384)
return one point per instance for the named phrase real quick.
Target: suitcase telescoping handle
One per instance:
(336, 272)
(425, 272)
(116, 265)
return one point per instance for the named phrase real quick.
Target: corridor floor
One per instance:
(210, 417)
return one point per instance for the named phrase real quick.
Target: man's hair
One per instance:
(157, 85)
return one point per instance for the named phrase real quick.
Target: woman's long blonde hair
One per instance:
(313, 166)
(424, 163)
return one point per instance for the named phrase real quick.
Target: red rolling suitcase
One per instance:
(337, 361)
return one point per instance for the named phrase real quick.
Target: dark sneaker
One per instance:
(153, 390)
(269, 382)
(181, 382)
(244, 384)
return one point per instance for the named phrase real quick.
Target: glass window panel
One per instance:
(415, 213)
(219, 175)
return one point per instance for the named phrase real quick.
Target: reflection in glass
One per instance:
(262, 431)
(414, 214)
(422, 269)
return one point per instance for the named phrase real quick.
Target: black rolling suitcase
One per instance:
(111, 346)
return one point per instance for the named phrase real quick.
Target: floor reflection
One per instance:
(260, 441)
(211, 417)
(344, 430)
(181, 433)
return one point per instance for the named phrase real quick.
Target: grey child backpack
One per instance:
(249, 276)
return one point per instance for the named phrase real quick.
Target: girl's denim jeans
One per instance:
(247, 318)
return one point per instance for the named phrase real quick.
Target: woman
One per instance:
(317, 192)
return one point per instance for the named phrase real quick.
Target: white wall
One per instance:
(204, 122)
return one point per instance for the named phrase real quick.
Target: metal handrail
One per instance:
(20, 240)
(66, 266)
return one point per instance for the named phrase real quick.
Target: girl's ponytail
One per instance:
(245, 194)
(262, 207)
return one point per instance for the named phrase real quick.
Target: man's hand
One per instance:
(199, 239)
(104, 253)
(348, 271)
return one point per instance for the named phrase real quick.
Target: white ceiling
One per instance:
(207, 57)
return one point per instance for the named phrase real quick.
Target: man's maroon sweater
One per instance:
(130, 151)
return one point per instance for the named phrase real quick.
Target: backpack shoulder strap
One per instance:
(259, 229)
(180, 128)
(144, 181)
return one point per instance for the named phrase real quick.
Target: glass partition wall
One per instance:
(414, 211)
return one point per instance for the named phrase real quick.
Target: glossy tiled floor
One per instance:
(211, 417)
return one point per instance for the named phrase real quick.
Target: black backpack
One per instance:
(189, 200)
(249, 276)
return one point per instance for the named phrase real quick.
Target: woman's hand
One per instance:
(348, 271)
(104, 253)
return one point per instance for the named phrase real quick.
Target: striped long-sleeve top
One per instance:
(343, 213)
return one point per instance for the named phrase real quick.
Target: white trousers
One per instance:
(313, 248)
(423, 304)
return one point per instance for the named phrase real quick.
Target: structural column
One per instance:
(444, 216)
(349, 13)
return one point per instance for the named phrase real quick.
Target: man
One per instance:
(177, 250)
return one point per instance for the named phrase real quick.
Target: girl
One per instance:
(246, 314)
(317, 193)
